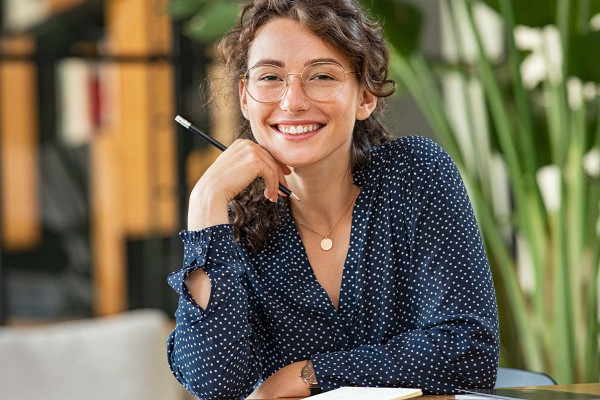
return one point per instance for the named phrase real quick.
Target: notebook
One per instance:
(530, 394)
(368, 393)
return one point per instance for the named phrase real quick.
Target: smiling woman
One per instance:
(351, 37)
(378, 277)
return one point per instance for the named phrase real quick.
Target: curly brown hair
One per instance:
(345, 26)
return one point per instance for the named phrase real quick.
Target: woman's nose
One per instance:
(294, 99)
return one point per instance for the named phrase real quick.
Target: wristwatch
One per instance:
(308, 376)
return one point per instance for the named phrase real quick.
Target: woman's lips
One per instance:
(310, 130)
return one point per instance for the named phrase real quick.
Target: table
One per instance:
(588, 388)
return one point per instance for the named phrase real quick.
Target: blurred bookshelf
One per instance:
(93, 172)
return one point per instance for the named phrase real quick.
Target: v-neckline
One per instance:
(342, 300)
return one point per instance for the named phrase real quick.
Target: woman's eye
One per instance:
(269, 78)
(322, 77)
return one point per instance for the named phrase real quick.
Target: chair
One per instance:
(121, 357)
(512, 377)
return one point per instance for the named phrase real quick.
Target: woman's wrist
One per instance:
(307, 373)
(286, 382)
(206, 209)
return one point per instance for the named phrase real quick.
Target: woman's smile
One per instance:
(298, 130)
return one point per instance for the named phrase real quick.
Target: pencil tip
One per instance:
(296, 197)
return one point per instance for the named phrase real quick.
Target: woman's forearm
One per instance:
(205, 209)
(198, 284)
(284, 383)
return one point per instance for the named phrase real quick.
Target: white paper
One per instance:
(470, 397)
(366, 393)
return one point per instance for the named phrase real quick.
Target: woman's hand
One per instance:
(232, 172)
(284, 383)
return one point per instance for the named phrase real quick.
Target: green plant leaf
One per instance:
(531, 12)
(584, 57)
(594, 7)
(186, 8)
(214, 20)
(401, 23)
(538, 13)
(584, 46)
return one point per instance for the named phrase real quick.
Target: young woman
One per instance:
(377, 277)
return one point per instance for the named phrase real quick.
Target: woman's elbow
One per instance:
(479, 368)
(213, 389)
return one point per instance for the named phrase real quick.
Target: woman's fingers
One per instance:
(254, 161)
(285, 168)
(272, 182)
(273, 173)
(282, 180)
(282, 170)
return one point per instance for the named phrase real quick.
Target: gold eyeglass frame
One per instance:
(244, 77)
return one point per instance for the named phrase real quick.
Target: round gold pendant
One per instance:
(326, 244)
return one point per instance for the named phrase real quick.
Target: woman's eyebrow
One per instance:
(272, 61)
(317, 60)
(269, 61)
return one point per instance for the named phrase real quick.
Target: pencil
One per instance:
(188, 125)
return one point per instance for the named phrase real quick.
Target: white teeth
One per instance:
(298, 129)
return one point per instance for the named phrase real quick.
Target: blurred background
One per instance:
(95, 176)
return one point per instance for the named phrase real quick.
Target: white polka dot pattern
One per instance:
(417, 305)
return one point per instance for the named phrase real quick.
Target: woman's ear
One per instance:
(367, 102)
(243, 102)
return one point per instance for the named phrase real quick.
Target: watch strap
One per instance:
(315, 390)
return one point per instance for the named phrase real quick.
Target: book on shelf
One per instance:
(19, 15)
(83, 99)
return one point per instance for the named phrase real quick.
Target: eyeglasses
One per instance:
(321, 81)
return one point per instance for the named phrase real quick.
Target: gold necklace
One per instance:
(326, 242)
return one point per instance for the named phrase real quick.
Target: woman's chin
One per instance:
(295, 164)
(293, 159)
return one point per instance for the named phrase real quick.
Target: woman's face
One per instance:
(290, 44)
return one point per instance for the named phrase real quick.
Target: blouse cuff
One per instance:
(197, 244)
(215, 244)
(326, 367)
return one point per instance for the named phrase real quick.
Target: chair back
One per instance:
(512, 377)
(120, 357)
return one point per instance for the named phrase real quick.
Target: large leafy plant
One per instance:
(523, 127)
(539, 142)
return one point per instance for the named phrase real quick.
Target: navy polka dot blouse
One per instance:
(417, 305)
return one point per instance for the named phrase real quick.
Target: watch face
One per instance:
(308, 374)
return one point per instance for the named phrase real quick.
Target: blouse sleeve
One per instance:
(455, 342)
(211, 352)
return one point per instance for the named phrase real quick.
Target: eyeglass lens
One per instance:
(321, 82)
